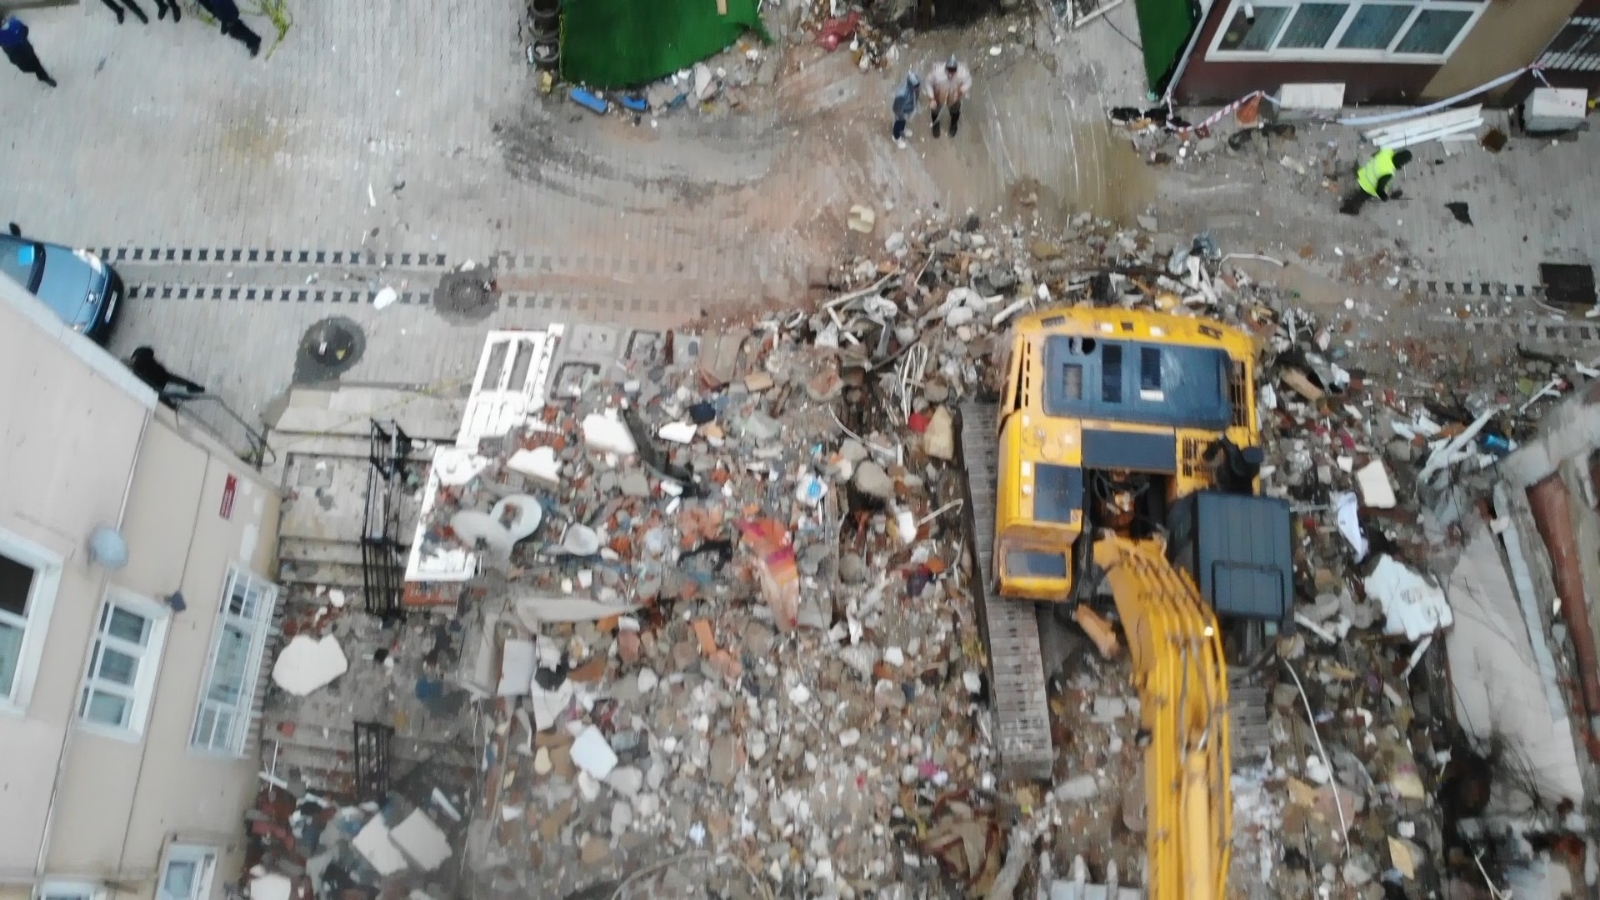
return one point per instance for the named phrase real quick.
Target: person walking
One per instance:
(1374, 178)
(226, 12)
(947, 87)
(904, 106)
(132, 7)
(14, 41)
(149, 370)
(165, 6)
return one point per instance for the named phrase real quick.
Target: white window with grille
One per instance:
(1419, 31)
(186, 872)
(222, 722)
(29, 576)
(70, 890)
(123, 665)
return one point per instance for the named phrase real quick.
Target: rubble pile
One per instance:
(735, 629)
(867, 40)
(728, 643)
(393, 807)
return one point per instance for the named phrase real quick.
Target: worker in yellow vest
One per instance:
(1374, 177)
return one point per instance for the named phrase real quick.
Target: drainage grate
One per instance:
(1568, 285)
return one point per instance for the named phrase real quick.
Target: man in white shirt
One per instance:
(946, 88)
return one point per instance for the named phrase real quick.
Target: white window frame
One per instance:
(258, 626)
(61, 889)
(35, 621)
(1331, 52)
(142, 692)
(202, 856)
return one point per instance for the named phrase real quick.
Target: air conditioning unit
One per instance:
(1309, 99)
(1554, 110)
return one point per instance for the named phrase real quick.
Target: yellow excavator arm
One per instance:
(1182, 682)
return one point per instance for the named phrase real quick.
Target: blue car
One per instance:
(84, 291)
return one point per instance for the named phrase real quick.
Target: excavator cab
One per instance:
(1142, 425)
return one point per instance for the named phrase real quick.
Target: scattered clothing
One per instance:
(946, 87)
(226, 12)
(14, 42)
(132, 7)
(149, 370)
(904, 105)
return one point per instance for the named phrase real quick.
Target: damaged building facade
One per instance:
(134, 613)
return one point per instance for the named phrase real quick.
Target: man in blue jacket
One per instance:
(905, 103)
(226, 12)
(14, 41)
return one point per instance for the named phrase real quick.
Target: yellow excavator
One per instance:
(1119, 472)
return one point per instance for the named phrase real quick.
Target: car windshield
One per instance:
(22, 261)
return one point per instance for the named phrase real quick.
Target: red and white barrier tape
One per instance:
(1226, 111)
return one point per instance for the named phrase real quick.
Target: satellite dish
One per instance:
(107, 548)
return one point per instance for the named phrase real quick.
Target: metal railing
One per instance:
(215, 417)
(382, 552)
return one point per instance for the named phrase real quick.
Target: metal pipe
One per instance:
(1552, 515)
(83, 666)
(1183, 61)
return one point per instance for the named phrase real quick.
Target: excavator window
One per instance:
(1072, 381)
(1111, 373)
(1152, 384)
(1150, 375)
(1035, 564)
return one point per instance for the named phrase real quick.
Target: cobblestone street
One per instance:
(381, 144)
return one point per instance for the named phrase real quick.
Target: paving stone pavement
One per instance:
(1536, 201)
(170, 135)
(168, 141)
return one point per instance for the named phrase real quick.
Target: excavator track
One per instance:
(1010, 627)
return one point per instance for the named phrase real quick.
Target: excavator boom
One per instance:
(1181, 678)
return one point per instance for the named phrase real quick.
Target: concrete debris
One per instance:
(1376, 491)
(539, 463)
(309, 663)
(421, 841)
(1412, 606)
(517, 664)
(376, 844)
(592, 754)
(606, 434)
(271, 887)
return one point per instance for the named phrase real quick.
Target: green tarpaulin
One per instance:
(1164, 29)
(624, 43)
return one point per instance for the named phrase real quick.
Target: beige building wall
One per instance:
(68, 440)
(85, 445)
(1509, 35)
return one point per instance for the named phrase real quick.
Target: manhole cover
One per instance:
(328, 350)
(467, 294)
